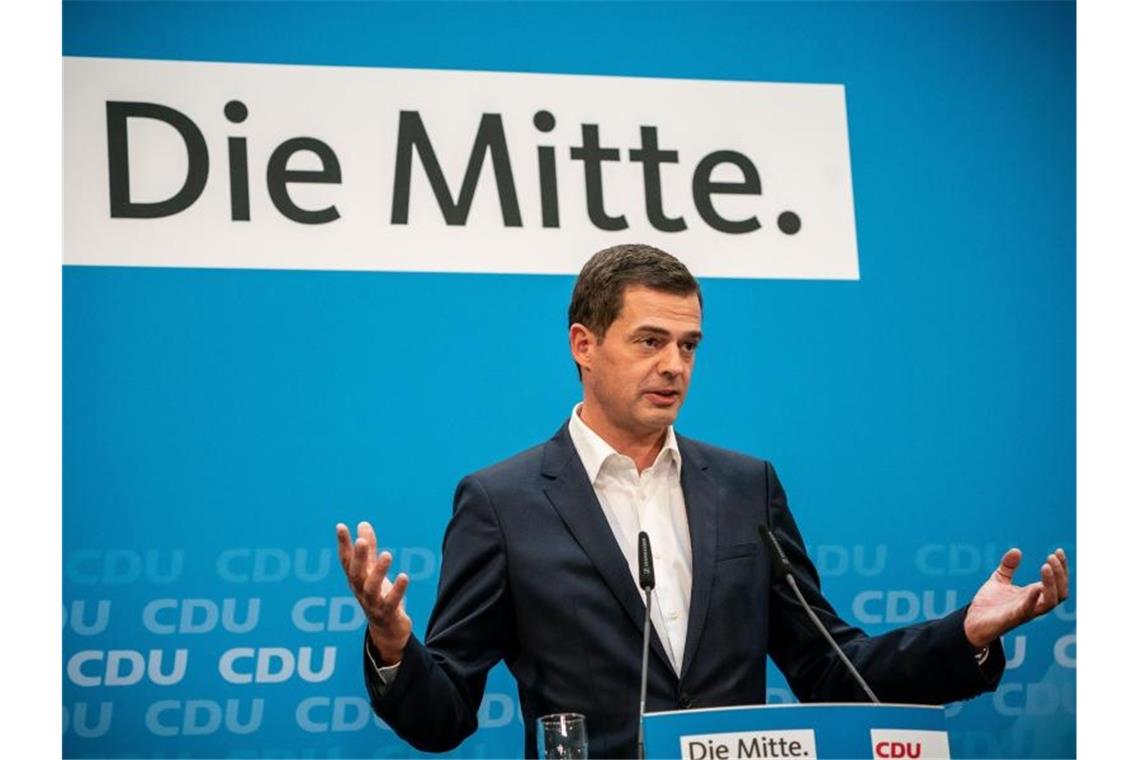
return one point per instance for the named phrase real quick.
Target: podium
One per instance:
(776, 732)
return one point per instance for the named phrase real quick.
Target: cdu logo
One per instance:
(898, 749)
(898, 744)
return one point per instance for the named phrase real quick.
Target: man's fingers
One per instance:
(364, 530)
(395, 597)
(344, 546)
(361, 562)
(1029, 603)
(1061, 570)
(375, 581)
(1049, 589)
(368, 573)
(384, 563)
(1008, 565)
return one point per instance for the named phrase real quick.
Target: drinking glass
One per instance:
(562, 736)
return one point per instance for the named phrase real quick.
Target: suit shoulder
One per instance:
(518, 468)
(506, 485)
(726, 459)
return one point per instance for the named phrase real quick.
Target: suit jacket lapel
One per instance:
(701, 501)
(571, 493)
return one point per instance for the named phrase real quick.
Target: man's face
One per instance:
(638, 374)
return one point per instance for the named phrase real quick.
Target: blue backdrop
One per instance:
(217, 424)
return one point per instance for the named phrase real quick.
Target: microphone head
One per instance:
(780, 564)
(645, 561)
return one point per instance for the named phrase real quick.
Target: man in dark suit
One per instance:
(539, 560)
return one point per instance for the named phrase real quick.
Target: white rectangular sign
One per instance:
(797, 743)
(192, 164)
(906, 744)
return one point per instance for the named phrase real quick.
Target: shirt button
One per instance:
(673, 615)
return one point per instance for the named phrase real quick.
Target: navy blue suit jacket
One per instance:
(532, 574)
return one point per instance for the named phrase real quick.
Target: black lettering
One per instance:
(548, 186)
(651, 157)
(704, 188)
(547, 176)
(236, 112)
(750, 748)
(489, 137)
(591, 154)
(118, 160)
(239, 180)
(278, 177)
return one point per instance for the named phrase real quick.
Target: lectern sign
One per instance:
(823, 731)
(749, 744)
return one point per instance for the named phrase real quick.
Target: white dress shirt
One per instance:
(650, 501)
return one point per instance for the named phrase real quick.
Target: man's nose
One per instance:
(670, 361)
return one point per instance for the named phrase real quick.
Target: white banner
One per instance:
(190, 164)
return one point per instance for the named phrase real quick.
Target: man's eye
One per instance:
(650, 341)
(689, 347)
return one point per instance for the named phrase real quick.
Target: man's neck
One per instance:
(641, 448)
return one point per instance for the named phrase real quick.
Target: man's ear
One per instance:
(582, 343)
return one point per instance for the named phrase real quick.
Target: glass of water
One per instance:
(562, 736)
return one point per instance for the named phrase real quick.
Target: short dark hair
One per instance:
(600, 288)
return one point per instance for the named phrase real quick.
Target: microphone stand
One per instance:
(644, 678)
(647, 582)
(781, 566)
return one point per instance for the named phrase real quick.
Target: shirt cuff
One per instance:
(991, 661)
(386, 673)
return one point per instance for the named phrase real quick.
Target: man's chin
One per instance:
(660, 418)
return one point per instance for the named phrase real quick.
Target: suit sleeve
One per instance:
(433, 701)
(927, 663)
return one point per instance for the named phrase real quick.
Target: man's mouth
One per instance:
(663, 396)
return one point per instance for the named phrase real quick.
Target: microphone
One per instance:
(783, 568)
(645, 573)
(645, 562)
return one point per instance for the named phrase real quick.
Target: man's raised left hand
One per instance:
(999, 606)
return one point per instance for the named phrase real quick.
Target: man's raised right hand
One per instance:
(389, 626)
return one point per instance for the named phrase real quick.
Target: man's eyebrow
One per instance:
(655, 330)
